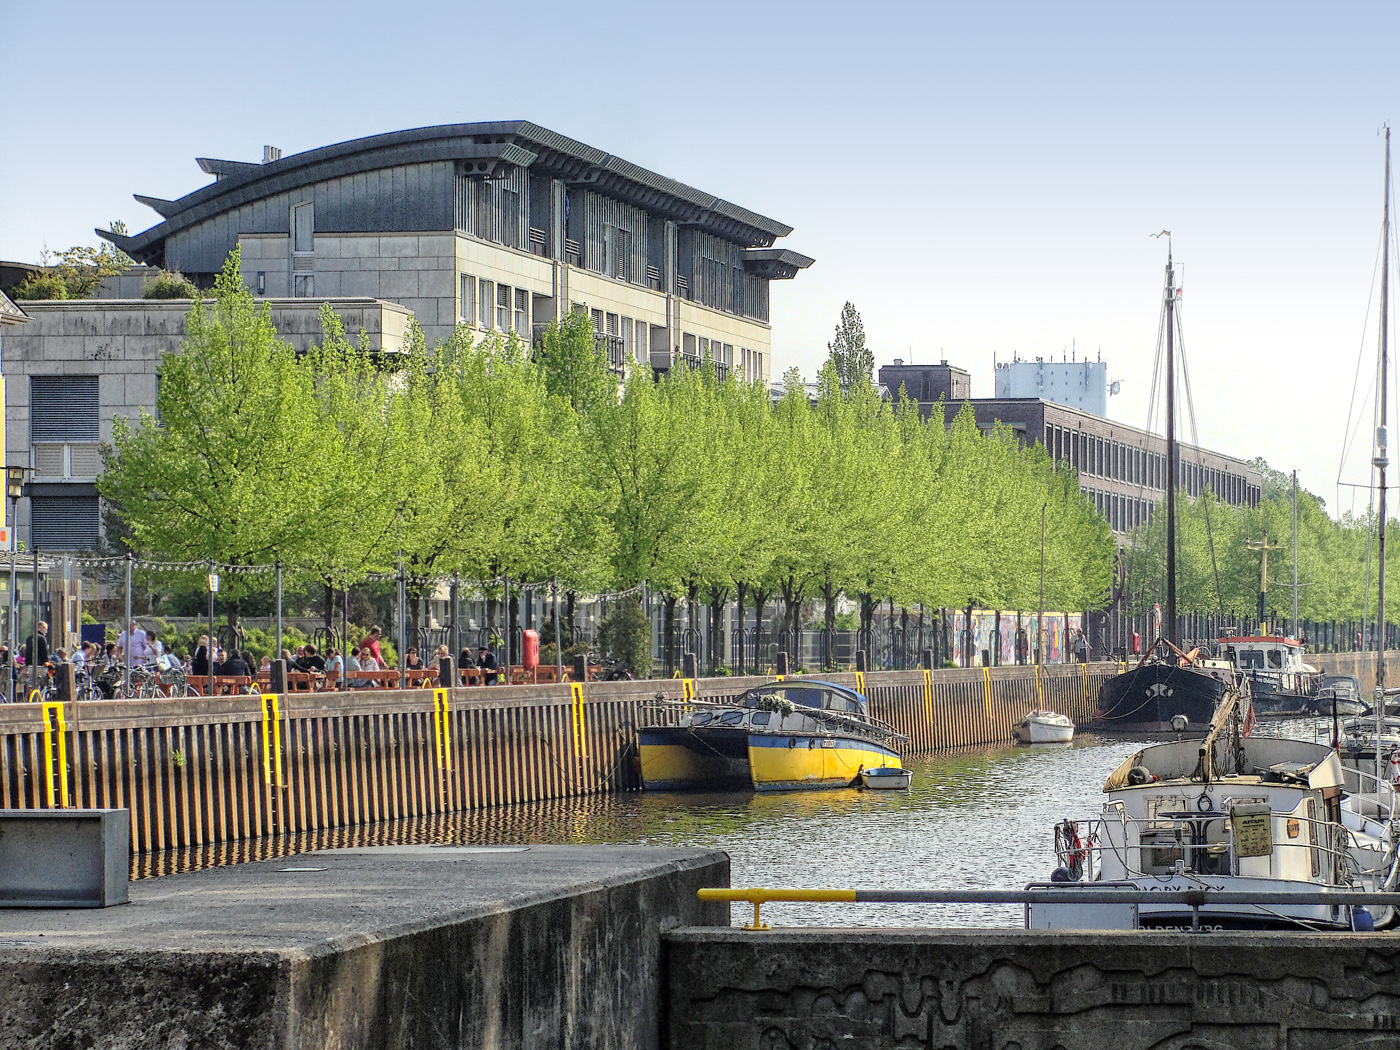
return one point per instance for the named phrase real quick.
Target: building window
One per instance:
(486, 292)
(303, 285)
(626, 330)
(503, 307)
(597, 322)
(643, 344)
(64, 426)
(466, 307)
(63, 523)
(303, 227)
(522, 311)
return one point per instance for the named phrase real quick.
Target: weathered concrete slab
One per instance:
(729, 989)
(390, 947)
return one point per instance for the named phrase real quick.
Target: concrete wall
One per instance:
(378, 949)
(1021, 990)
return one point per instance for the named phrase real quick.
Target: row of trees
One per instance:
(1219, 557)
(487, 459)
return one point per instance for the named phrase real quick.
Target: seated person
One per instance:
(310, 661)
(487, 663)
(412, 661)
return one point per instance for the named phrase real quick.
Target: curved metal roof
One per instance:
(481, 148)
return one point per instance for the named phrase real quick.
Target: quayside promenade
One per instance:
(198, 772)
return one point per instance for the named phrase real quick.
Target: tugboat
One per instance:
(1168, 684)
(1280, 683)
(782, 736)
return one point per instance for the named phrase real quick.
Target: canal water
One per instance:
(980, 819)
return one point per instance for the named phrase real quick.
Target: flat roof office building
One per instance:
(503, 226)
(1121, 468)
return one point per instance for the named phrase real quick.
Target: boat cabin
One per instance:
(1277, 818)
(824, 696)
(1264, 653)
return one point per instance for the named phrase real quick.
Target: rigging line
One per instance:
(1196, 442)
(1349, 434)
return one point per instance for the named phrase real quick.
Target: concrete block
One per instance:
(398, 285)
(362, 282)
(360, 247)
(385, 948)
(64, 858)
(328, 282)
(398, 247)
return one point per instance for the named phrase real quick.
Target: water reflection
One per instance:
(974, 819)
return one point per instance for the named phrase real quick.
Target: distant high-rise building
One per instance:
(1074, 384)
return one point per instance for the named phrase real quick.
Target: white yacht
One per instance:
(1263, 814)
(1044, 727)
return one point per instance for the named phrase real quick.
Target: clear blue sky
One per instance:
(978, 179)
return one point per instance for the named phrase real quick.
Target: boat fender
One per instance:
(1395, 767)
(1205, 803)
(1061, 875)
(1361, 920)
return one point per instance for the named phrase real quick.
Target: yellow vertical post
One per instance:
(928, 695)
(442, 727)
(987, 694)
(580, 729)
(860, 684)
(55, 756)
(272, 740)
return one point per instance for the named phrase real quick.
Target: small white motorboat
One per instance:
(887, 778)
(1044, 727)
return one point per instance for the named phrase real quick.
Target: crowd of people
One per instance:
(105, 665)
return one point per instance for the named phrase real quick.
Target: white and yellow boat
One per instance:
(783, 736)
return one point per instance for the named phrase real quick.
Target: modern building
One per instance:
(1121, 468)
(80, 363)
(502, 226)
(1074, 384)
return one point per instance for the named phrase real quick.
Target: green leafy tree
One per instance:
(847, 352)
(237, 466)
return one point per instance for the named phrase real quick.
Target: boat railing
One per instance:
(1081, 844)
(850, 720)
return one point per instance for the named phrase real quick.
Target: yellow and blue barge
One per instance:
(781, 736)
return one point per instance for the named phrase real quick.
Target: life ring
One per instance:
(1205, 804)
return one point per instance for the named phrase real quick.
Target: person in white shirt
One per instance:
(134, 643)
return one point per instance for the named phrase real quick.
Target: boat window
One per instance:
(1251, 659)
(803, 696)
(1275, 658)
(759, 718)
(730, 718)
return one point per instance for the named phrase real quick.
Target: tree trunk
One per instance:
(669, 627)
(741, 665)
(829, 626)
(760, 600)
(718, 596)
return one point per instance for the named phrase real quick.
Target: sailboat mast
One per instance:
(1169, 627)
(1382, 458)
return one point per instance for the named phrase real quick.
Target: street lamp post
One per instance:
(14, 489)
